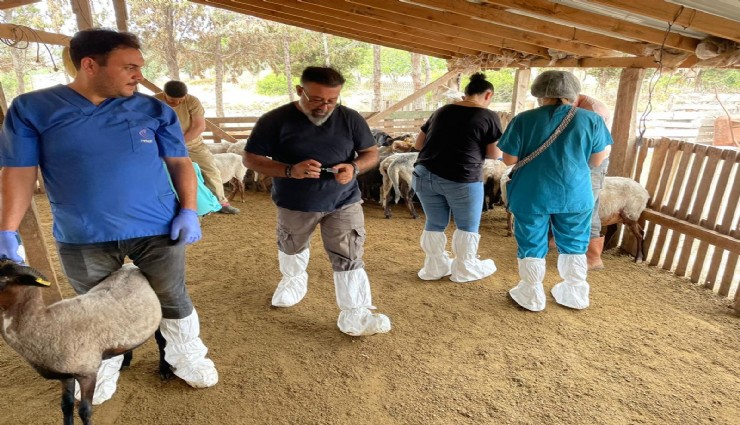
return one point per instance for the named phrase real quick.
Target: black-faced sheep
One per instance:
(381, 137)
(397, 172)
(68, 339)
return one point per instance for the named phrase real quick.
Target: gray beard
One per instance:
(317, 121)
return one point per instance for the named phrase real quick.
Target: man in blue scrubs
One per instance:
(100, 147)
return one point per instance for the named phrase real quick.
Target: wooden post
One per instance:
(625, 112)
(521, 88)
(82, 11)
(119, 6)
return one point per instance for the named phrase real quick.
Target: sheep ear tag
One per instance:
(42, 282)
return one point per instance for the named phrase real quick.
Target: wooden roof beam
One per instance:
(22, 33)
(538, 26)
(355, 27)
(441, 39)
(683, 16)
(547, 8)
(620, 62)
(276, 17)
(515, 39)
(461, 32)
(9, 4)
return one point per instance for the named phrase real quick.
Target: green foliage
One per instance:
(274, 85)
(503, 83)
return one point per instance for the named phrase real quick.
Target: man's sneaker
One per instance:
(228, 209)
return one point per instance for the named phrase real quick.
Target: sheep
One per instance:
(397, 172)
(381, 137)
(232, 170)
(237, 147)
(493, 169)
(68, 340)
(622, 200)
(217, 147)
(371, 180)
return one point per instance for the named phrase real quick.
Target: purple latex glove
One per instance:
(185, 227)
(9, 244)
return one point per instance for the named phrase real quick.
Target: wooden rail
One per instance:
(691, 221)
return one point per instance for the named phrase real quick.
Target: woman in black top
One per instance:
(448, 179)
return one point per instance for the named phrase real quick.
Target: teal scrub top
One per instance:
(102, 165)
(559, 179)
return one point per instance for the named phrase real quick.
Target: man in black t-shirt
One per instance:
(314, 149)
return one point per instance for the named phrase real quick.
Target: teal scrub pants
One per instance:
(571, 231)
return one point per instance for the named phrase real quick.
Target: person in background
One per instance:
(448, 179)
(191, 114)
(596, 242)
(553, 190)
(314, 148)
(100, 146)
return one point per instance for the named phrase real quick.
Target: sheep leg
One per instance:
(410, 203)
(240, 188)
(127, 357)
(509, 223)
(68, 400)
(639, 237)
(234, 189)
(611, 230)
(165, 370)
(87, 389)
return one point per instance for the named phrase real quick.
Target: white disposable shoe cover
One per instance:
(294, 284)
(530, 293)
(354, 299)
(466, 266)
(437, 263)
(186, 353)
(106, 381)
(573, 291)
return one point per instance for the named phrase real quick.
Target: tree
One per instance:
(165, 26)
(377, 76)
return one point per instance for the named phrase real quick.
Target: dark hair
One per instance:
(325, 76)
(478, 84)
(97, 43)
(176, 89)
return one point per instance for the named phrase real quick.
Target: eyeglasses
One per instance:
(317, 101)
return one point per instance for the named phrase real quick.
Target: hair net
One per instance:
(556, 84)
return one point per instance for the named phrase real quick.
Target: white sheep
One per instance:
(622, 200)
(237, 147)
(397, 172)
(217, 147)
(68, 340)
(493, 169)
(232, 170)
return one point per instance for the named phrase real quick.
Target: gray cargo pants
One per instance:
(342, 232)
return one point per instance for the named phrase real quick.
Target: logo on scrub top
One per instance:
(143, 133)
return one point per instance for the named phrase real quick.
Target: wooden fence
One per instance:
(691, 222)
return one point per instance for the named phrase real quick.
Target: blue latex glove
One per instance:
(185, 227)
(9, 244)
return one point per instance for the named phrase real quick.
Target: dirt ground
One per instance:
(651, 349)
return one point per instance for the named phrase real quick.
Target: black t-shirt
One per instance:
(456, 140)
(285, 134)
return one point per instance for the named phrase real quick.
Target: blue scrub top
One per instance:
(559, 179)
(102, 165)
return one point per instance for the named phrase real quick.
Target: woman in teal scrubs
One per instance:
(553, 190)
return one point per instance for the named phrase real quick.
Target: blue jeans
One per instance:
(571, 233)
(160, 261)
(439, 197)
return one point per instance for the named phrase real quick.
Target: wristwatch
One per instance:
(356, 167)
(288, 169)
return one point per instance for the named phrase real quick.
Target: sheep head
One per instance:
(14, 275)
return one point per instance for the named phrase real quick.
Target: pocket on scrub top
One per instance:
(142, 135)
